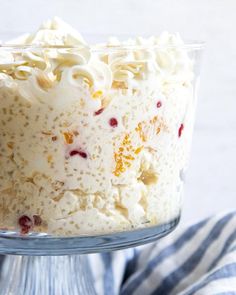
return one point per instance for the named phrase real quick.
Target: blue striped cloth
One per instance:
(199, 260)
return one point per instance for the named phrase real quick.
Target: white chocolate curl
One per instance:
(99, 68)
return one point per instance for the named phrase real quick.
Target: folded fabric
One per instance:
(199, 260)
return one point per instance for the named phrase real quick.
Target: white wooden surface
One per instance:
(211, 182)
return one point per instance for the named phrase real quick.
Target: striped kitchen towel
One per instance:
(199, 260)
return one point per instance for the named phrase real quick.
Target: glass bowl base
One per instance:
(40, 244)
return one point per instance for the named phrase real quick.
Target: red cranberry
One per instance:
(37, 220)
(159, 104)
(181, 128)
(113, 122)
(25, 223)
(24, 220)
(98, 112)
(83, 154)
(80, 153)
(25, 230)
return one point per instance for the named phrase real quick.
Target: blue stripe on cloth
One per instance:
(131, 265)
(232, 249)
(227, 271)
(108, 279)
(227, 244)
(174, 278)
(165, 253)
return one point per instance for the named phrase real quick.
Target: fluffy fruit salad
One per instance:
(93, 139)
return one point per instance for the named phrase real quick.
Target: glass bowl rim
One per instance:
(188, 45)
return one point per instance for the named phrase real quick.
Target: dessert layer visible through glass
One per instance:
(94, 139)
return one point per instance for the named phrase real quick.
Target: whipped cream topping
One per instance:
(52, 32)
(162, 56)
(93, 138)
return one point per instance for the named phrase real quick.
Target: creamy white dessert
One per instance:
(93, 139)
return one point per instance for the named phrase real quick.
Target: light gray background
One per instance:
(211, 181)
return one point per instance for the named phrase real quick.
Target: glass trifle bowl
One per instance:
(94, 143)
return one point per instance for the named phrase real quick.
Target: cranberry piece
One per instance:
(80, 153)
(83, 154)
(25, 230)
(98, 112)
(73, 153)
(24, 220)
(25, 223)
(113, 122)
(181, 128)
(37, 220)
(159, 104)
